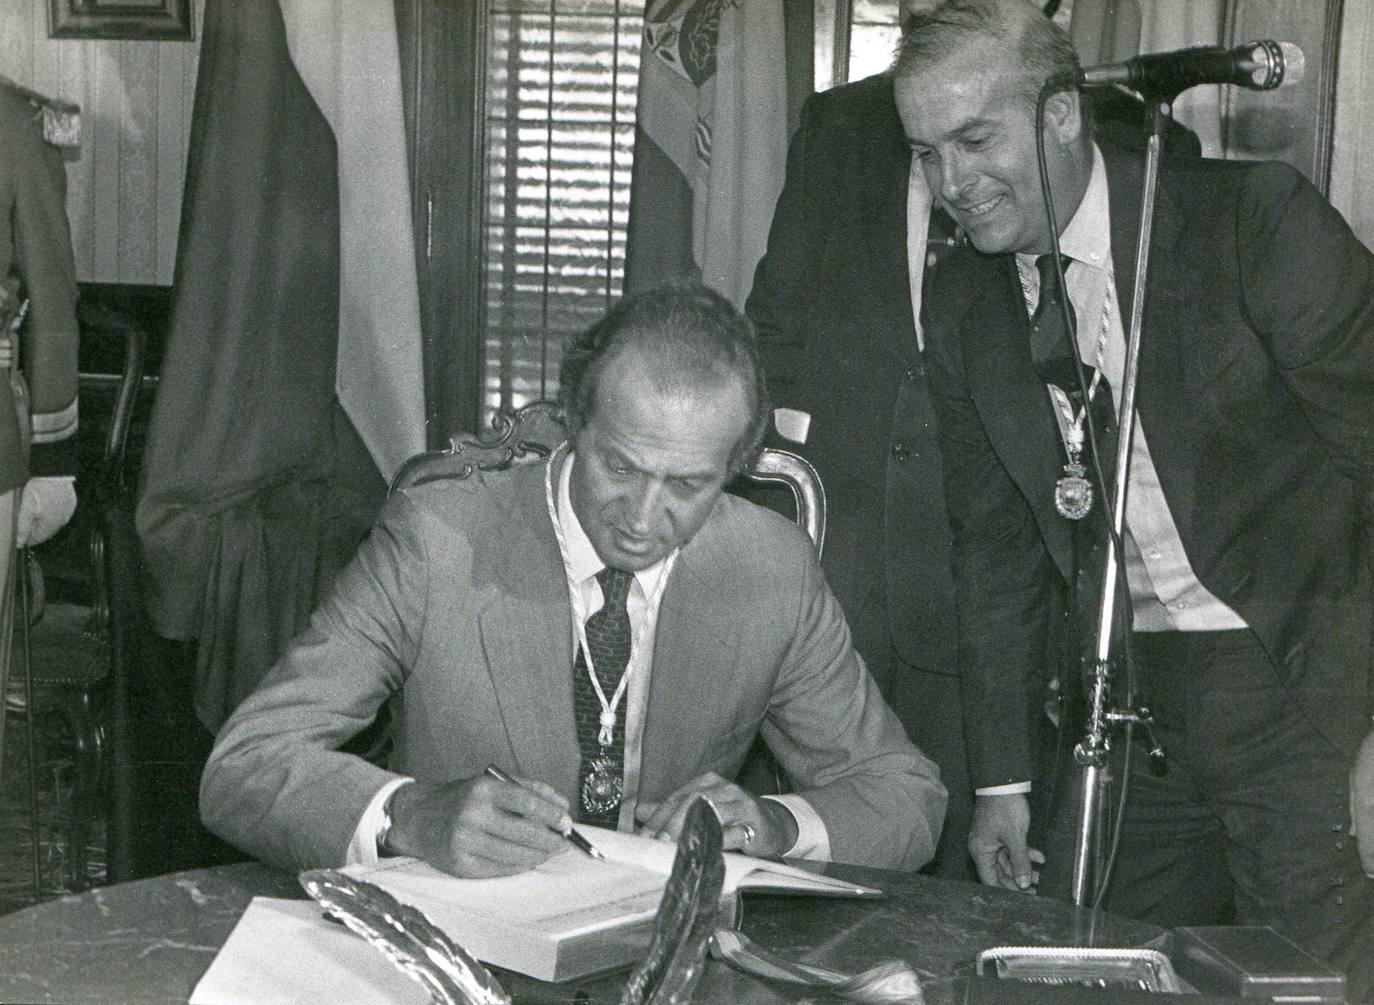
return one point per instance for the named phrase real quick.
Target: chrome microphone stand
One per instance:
(1090, 754)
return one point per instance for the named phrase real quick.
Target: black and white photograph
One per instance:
(663, 501)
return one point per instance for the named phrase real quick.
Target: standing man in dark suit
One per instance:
(833, 303)
(836, 300)
(1250, 493)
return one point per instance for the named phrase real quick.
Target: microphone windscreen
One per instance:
(1294, 63)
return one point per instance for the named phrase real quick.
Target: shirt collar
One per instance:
(1088, 237)
(583, 561)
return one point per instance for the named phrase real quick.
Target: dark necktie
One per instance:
(608, 638)
(1050, 344)
(1050, 348)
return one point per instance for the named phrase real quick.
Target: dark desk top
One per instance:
(150, 941)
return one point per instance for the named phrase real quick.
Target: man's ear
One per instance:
(1064, 116)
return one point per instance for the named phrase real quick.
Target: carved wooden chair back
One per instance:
(531, 433)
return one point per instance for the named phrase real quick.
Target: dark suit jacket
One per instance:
(832, 303)
(1257, 393)
(458, 605)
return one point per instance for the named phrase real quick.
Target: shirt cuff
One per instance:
(362, 849)
(813, 840)
(1010, 789)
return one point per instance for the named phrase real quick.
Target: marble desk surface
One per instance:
(150, 941)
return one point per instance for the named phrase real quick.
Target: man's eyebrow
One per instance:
(972, 125)
(618, 458)
(963, 129)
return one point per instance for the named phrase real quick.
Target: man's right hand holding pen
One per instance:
(480, 826)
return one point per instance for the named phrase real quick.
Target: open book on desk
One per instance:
(574, 915)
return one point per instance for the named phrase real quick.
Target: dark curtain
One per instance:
(255, 488)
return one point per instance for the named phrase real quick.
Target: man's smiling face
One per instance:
(970, 125)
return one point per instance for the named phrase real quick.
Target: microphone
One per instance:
(1260, 66)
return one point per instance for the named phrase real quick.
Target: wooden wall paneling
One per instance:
(45, 72)
(15, 43)
(102, 120)
(136, 258)
(462, 229)
(1352, 148)
(1292, 124)
(73, 68)
(124, 186)
(173, 124)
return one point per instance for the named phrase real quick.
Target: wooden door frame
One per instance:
(1292, 124)
(443, 47)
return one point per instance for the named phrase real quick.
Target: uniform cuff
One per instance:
(1010, 789)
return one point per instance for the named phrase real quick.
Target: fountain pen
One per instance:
(571, 834)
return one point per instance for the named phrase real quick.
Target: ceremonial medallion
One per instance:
(602, 788)
(1073, 494)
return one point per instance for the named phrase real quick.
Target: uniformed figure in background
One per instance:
(38, 413)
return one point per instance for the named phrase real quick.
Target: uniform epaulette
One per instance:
(61, 119)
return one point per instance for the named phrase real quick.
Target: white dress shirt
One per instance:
(918, 204)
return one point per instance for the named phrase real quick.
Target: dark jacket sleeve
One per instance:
(1307, 286)
(778, 301)
(1008, 589)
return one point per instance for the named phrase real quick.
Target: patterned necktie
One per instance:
(608, 638)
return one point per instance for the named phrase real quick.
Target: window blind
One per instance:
(562, 77)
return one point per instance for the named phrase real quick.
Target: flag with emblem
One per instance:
(710, 142)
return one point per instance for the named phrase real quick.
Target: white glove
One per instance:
(46, 506)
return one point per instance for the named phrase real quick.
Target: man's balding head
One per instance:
(690, 339)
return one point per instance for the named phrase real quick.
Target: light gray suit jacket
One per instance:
(456, 608)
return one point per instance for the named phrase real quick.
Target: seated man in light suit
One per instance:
(473, 604)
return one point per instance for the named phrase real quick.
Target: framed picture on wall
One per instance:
(136, 19)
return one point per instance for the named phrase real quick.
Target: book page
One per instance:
(568, 894)
(742, 872)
